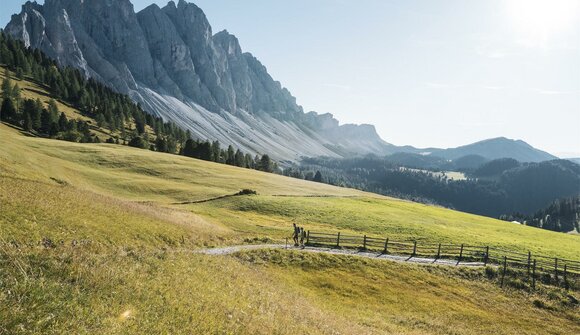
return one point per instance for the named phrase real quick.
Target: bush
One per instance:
(137, 142)
(490, 272)
(247, 192)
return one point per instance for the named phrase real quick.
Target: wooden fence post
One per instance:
(386, 246)
(460, 254)
(308, 237)
(556, 269)
(565, 277)
(414, 248)
(438, 251)
(504, 269)
(338, 240)
(534, 275)
(529, 263)
(365, 242)
(486, 257)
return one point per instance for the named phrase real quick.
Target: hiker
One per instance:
(302, 237)
(295, 235)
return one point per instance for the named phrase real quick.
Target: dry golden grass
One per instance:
(132, 270)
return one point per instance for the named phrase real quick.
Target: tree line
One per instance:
(128, 123)
(510, 188)
(561, 215)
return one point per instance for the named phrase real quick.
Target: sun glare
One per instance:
(536, 21)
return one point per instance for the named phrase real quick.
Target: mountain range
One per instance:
(169, 60)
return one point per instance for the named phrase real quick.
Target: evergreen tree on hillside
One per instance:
(6, 87)
(62, 122)
(249, 161)
(138, 142)
(27, 122)
(318, 177)
(45, 121)
(231, 156)
(239, 158)
(110, 109)
(8, 110)
(215, 151)
(189, 148)
(266, 163)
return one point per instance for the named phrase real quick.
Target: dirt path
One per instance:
(366, 254)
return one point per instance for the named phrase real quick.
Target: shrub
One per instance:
(490, 272)
(137, 142)
(247, 191)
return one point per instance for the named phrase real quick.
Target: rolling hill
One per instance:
(105, 238)
(93, 239)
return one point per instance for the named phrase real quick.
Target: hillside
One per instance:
(498, 187)
(92, 240)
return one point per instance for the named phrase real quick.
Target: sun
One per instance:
(536, 21)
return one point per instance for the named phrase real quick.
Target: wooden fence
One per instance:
(530, 268)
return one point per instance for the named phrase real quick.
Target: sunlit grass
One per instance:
(92, 241)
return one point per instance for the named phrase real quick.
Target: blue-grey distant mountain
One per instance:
(496, 148)
(169, 60)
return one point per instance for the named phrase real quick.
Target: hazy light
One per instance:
(536, 21)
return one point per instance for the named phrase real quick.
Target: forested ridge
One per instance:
(497, 188)
(125, 121)
(561, 215)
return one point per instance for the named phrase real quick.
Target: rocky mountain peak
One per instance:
(169, 60)
(228, 42)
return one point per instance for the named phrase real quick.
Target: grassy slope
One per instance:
(116, 202)
(164, 179)
(32, 90)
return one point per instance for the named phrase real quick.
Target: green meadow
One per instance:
(94, 239)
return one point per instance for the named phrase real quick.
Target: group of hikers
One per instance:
(299, 236)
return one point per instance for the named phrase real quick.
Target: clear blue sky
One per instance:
(426, 73)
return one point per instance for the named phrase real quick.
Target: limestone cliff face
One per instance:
(169, 60)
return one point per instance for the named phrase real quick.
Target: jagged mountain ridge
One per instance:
(169, 61)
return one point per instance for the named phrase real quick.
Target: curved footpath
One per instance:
(397, 258)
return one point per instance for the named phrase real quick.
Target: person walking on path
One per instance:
(296, 235)
(302, 237)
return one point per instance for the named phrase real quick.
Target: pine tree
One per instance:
(6, 88)
(249, 161)
(62, 122)
(189, 148)
(318, 177)
(8, 111)
(230, 158)
(27, 122)
(239, 159)
(20, 73)
(137, 142)
(53, 108)
(45, 121)
(266, 163)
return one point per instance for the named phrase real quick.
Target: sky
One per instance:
(425, 73)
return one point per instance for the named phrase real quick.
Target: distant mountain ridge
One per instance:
(496, 148)
(169, 60)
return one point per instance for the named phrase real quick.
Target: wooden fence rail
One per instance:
(527, 266)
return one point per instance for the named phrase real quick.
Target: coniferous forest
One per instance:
(126, 121)
(503, 188)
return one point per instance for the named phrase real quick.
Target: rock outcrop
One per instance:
(169, 60)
